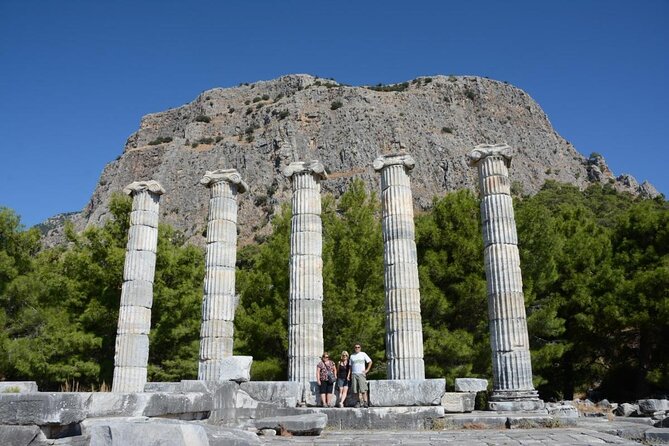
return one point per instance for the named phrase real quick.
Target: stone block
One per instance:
(383, 418)
(649, 406)
(113, 404)
(196, 385)
(475, 421)
(419, 392)
(562, 410)
(19, 435)
(458, 402)
(18, 387)
(626, 409)
(43, 408)
(244, 401)
(537, 421)
(185, 406)
(127, 431)
(272, 391)
(309, 394)
(236, 368)
(226, 436)
(163, 387)
(471, 385)
(528, 405)
(657, 435)
(307, 424)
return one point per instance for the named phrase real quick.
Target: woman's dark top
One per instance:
(343, 370)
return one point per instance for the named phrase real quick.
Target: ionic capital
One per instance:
(394, 159)
(313, 167)
(230, 175)
(140, 186)
(485, 150)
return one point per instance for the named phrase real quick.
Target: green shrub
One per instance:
(392, 87)
(283, 114)
(249, 111)
(257, 99)
(265, 97)
(247, 102)
(202, 118)
(250, 129)
(446, 130)
(335, 105)
(219, 138)
(206, 140)
(278, 97)
(470, 94)
(160, 140)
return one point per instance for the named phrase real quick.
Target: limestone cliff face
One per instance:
(260, 128)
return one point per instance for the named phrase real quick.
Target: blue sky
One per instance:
(76, 76)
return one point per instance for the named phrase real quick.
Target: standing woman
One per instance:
(343, 377)
(326, 375)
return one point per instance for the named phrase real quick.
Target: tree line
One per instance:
(595, 267)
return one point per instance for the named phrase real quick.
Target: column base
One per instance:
(515, 400)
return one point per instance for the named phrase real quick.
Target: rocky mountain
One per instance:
(259, 128)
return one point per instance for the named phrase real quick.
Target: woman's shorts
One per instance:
(326, 387)
(341, 383)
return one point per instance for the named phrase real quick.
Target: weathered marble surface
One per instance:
(512, 367)
(456, 402)
(307, 424)
(406, 392)
(471, 385)
(134, 320)
(404, 331)
(305, 301)
(219, 302)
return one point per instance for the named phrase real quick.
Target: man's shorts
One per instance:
(358, 383)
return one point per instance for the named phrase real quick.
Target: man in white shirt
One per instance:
(360, 365)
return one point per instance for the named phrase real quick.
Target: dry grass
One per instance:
(74, 386)
(474, 426)
(594, 409)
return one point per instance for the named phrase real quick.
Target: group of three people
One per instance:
(349, 370)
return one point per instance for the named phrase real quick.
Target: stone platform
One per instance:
(534, 437)
(204, 413)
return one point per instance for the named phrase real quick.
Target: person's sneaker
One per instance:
(365, 405)
(340, 405)
(357, 405)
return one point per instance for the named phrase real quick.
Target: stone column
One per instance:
(219, 302)
(134, 318)
(305, 311)
(512, 367)
(404, 331)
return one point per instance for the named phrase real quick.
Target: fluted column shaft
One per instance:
(219, 302)
(134, 319)
(512, 366)
(305, 312)
(404, 331)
